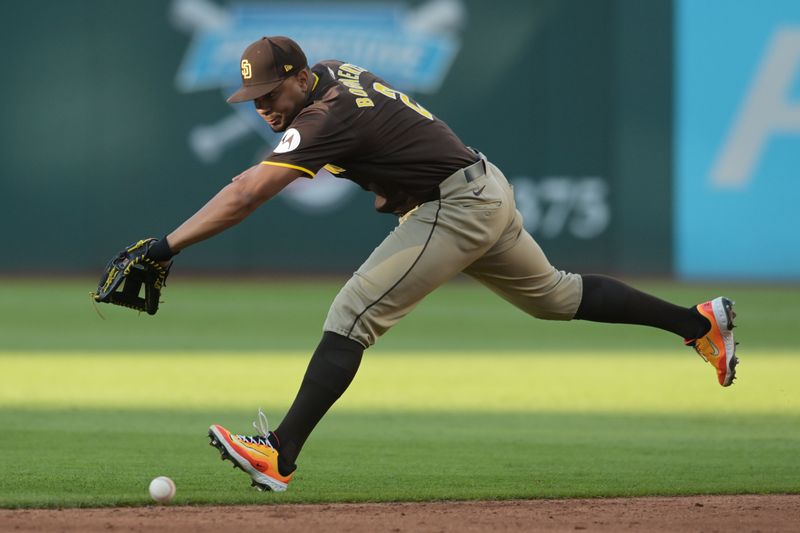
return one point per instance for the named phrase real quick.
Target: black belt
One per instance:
(475, 170)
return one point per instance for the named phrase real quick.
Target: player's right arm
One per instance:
(235, 202)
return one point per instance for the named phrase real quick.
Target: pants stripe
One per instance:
(382, 296)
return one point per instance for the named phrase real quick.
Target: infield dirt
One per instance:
(746, 513)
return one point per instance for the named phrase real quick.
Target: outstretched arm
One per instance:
(232, 204)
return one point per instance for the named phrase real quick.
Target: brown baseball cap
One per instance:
(265, 64)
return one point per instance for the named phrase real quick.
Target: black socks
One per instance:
(609, 300)
(330, 371)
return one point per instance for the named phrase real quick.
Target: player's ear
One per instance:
(303, 78)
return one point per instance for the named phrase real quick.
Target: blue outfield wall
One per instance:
(737, 139)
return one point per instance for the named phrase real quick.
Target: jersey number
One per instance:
(391, 93)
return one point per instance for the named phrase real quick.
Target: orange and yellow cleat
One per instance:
(253, 454)
(717, 346)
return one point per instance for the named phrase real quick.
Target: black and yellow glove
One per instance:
(138, 265)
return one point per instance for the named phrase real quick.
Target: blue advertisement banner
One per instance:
(415, 52)
(737, 139)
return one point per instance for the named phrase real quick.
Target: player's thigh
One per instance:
(432, 245)
(517, 269)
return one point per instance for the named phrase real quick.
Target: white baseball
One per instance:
(162, 489)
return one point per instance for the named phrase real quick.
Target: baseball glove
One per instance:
(125, 274)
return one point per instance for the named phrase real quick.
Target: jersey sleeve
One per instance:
(314, 139)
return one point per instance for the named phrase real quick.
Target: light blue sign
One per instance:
(737, 139)
(411, 48)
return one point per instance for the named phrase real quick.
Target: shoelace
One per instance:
(261, 425)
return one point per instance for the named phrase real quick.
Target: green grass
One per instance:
(100, 457)
(465, 399)
(216, 315)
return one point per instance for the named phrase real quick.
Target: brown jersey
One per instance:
(357, 127)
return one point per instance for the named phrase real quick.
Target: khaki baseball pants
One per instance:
(473, 228)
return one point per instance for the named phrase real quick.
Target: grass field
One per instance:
(467, 398)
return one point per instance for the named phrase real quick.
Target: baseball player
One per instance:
(456, 214)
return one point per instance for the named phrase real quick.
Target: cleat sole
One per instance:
(731, 345)
(730, 314)
(725, 315)
(261, 487)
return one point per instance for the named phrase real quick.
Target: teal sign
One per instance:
(737, 139)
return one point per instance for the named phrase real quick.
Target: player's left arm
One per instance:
(235, 202)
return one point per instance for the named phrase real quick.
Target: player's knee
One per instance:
(348, 315)
(560, 301)
(345, 321)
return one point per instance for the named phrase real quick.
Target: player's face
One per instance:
(279, 107)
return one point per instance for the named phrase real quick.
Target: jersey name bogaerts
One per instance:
(357, 127)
